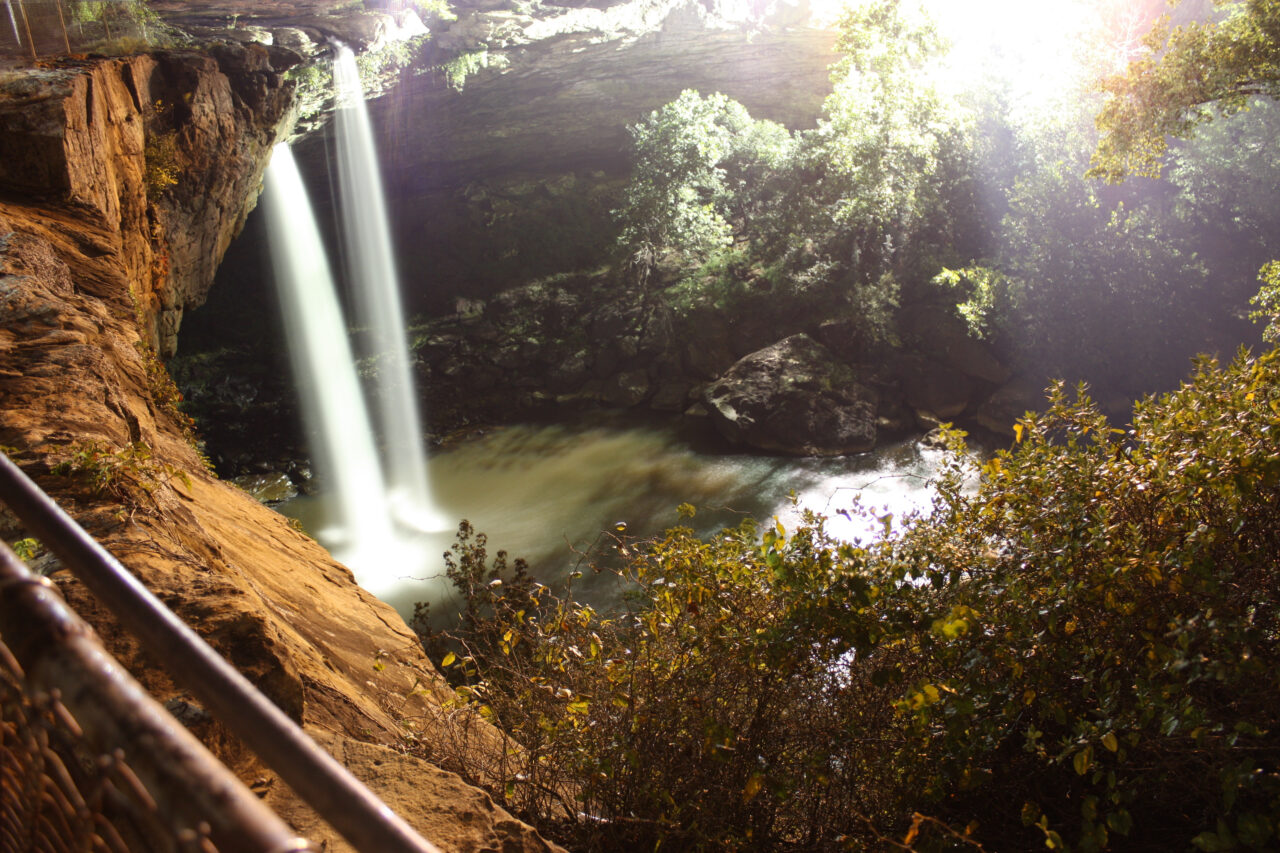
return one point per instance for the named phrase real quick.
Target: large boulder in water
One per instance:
(794, 397)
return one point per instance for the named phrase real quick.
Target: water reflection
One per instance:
(553, 494)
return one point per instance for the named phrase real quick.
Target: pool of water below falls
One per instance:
(553, 494)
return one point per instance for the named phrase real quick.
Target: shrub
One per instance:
(161, 156)
(1080, 654)
(128, 475)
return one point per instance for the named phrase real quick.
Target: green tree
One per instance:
(696, 160)
(825, 216)
(862, 184)
(1188, 75)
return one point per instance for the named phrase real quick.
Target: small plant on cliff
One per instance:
(161, 388)
(128, 475)
(27, 549)
(457, 70)
(161, 155)
(165, 395)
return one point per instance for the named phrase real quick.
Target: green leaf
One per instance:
(1120, 822)
(1211, 842)
(1254, 830)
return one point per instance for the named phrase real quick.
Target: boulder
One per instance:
(938, 333)
(794, 397)
(1008, 403)
(935, 387)
(270, 489)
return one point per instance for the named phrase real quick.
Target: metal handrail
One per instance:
(61, 655)
(328, 787)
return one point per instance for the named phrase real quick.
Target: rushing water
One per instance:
(553, 494)
(343, 450)
(375, 284)
(379, 517)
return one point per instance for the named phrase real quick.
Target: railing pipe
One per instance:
(59, 652)
(328, 787)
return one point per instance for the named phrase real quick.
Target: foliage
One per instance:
(457, 70)
(688, 156)
(1122, 285)
(1268, 302)
(1187, 76)
(27, 549)
(161, 157)
(163, 391)
(380, 68)
(828, 211)
(1224, 178)
(1082, 654)
(438, 9)
(127, 475)
(127, 26)
(987, 296)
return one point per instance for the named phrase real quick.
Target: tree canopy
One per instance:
(1188, 75)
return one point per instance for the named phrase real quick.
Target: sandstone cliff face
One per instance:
(163, 152)
(97, 260)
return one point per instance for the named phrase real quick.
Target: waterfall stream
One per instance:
(366, 234)
(380, 516)
(342, 449)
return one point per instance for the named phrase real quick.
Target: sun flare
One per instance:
(1040, 50)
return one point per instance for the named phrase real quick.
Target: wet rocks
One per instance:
(795, 397)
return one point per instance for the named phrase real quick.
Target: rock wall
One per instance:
(121, 183)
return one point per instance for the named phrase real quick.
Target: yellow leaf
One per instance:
(753, 787)
(1083, 760)
(449, 659)
(1110, 742)
(1017, 433)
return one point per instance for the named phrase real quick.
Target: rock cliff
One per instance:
(121, 183)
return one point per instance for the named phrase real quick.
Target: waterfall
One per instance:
(13, 22)
(372, 272)
(382, 517)
(342, 449)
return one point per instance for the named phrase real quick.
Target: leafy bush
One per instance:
(161, 158)
(127, 475)
(1267, 302)
(1083, 653)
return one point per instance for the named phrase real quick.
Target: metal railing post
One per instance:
(328, 787)
(60, 654)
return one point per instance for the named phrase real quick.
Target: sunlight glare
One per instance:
(1033, 47)
(1037, 49)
